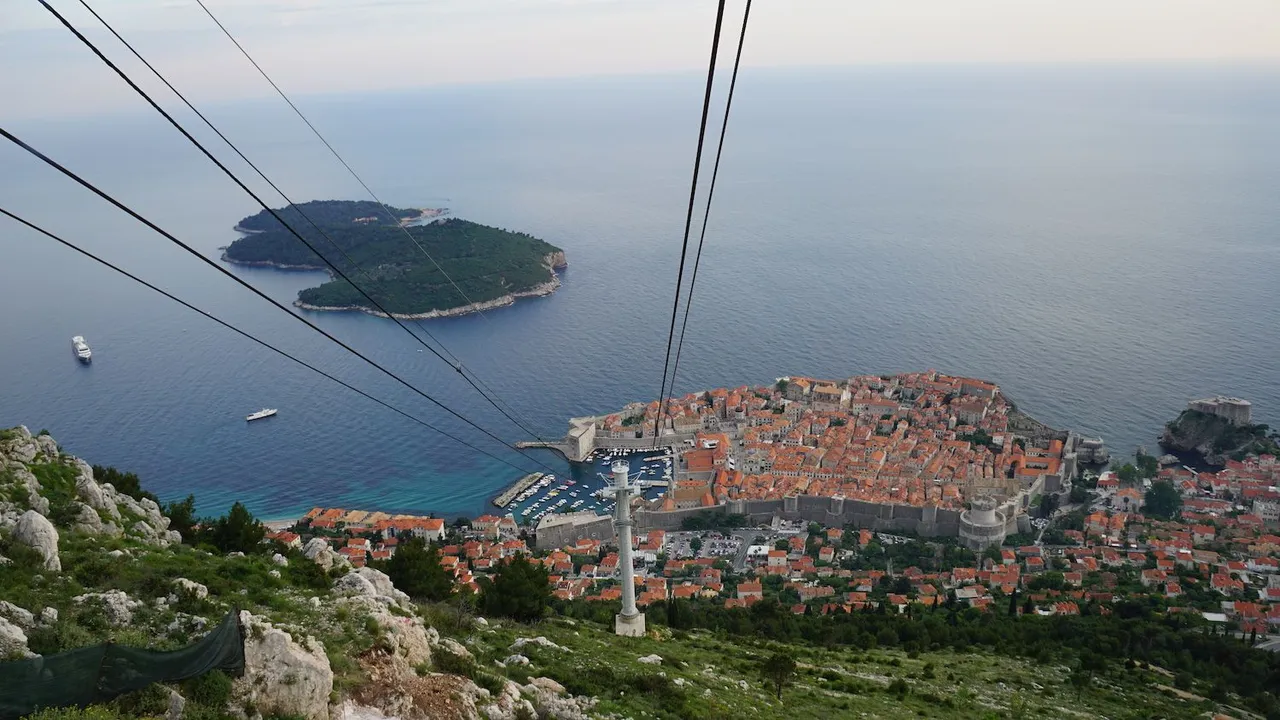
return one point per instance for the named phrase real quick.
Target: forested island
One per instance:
(491, 266)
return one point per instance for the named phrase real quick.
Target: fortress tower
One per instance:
(982, 526)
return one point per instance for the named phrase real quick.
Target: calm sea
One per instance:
(1103, 242)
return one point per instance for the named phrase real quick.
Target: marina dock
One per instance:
(505, 498)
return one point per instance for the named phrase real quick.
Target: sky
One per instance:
(335, 46)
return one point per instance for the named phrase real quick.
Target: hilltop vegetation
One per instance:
(488, 264)
(325, 213)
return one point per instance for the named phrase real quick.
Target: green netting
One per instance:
(100, 673)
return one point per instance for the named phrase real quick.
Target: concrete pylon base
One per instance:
(629, 625)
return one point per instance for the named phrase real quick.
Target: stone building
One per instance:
(1234, 410)
(557, 530)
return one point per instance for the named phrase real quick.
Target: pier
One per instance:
(520, 486)
(566, 449)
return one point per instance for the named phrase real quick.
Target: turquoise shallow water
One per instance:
(1100, 241)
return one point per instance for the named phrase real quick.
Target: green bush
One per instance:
(447, 662)
(151, 700)
(60, 637)
(212, 689)
(493, 683)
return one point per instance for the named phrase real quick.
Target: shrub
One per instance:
(493, 683)
(212, 689)
(60, 637)
(447, 662)
(151, 700)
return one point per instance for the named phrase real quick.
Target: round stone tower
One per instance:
(982, 526)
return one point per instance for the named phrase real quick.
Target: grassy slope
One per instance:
(829, 683)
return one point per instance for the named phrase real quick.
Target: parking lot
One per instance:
(714, 544)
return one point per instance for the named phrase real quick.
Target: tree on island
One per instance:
(1162, 500)
(778, 669)
(415, 568)
(518, 590)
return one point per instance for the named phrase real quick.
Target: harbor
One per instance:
(504, 499)
(590, 484)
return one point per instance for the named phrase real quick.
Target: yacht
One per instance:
(263, 413)
(82, 349)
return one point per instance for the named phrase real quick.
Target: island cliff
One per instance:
(1215, 439)
(444, 268)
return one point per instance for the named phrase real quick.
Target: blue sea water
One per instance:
(1102, 241)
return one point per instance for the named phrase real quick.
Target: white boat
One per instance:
(263, 413)
(82, 349)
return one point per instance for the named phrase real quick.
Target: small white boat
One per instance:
(82, 349)
(263, 413)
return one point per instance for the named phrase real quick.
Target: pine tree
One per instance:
(415, 569)
(778, 670)
(519, 590)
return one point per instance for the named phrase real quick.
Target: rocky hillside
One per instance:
(81, 563)
(1215, 439)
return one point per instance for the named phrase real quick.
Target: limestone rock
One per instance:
(404, 638)
(539, 641)
(13, 641)
(515, 660)
(22, 447)
(354, 711)
(314, 546)
(152, 512)
(552, 704)
(190, 588)
(382, 585)
(187, 624)
(88, 490)
(283, 676)
(87, 520)
(48, 616)
(116, 604)
(16, 615)
(48, 446)
(650, 660)
(318, 551)
(509, 705)
(355, 584)
(176, 704)
(453, 647)
(547, 684)
(36, 532)
(280, 560)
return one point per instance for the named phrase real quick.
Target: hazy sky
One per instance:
(339, 45)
